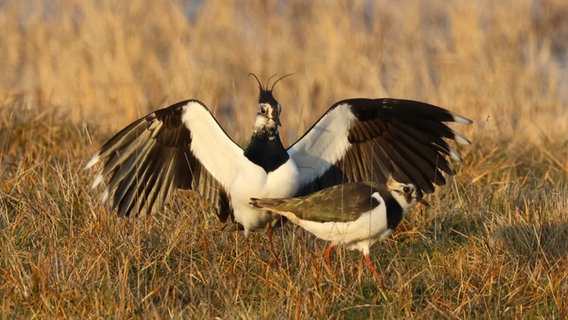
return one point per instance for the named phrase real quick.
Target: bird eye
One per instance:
(263, 110)
(406, 189)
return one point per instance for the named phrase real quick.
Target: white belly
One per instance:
(359, 234)
(253, 181)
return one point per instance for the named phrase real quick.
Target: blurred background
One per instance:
(502, 64)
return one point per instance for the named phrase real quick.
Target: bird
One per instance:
(184, 147)
(355, 215)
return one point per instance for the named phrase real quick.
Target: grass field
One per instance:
(493, 244)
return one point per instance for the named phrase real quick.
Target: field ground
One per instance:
(493, 244)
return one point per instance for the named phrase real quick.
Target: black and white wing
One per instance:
(181, 146)
(372, 139)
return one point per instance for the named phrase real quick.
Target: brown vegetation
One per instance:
(494, 244)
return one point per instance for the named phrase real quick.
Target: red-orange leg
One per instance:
(371, 267)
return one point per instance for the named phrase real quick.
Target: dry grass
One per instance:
(493, 245)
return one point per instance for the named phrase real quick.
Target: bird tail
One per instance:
(275, 206)
(266, 203)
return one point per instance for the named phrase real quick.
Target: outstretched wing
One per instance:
(372, 139)
(181, 146)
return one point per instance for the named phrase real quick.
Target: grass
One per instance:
(494, 243)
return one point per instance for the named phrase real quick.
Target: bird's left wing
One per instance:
(181, 146)
(372, 139)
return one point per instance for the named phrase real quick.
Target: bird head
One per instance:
(269, 109)
(406, 194)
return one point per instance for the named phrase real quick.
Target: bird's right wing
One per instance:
(372, 139)
(181, 146)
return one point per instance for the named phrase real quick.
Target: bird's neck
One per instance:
(394, 209)
(266, 150)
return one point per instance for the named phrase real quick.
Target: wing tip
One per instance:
(455, 155)
(98, 180)
(92, 162)
(460, 119)
(460, 139)
(105, 197)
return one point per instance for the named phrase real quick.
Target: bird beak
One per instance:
(422, 201)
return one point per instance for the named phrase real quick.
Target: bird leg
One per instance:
(327, 255)
(372, 268)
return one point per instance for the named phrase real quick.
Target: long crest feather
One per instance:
(277, 80)
(265, 88)
(258, 81)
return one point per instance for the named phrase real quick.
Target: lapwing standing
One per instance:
(183, 147)
(355, 215)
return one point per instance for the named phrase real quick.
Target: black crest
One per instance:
(265, 93)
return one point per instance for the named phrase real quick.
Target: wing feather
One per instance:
(372, 139)
(340, 203)
(181, 146)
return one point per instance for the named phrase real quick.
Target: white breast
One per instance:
(252, 181)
